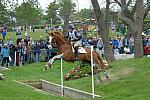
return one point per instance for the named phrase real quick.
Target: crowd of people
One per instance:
(26, 50)
(121, 45)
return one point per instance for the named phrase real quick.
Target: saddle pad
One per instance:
(81, 50)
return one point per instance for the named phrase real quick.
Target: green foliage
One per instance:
(67, 7)
(4, 18)
(146, 21)
(51, 13)
(85, 13)
(26, 12)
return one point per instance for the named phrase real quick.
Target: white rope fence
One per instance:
(62, 83)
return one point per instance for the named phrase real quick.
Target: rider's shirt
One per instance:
(74, 35)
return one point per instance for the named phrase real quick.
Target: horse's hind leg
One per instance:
(106, 75)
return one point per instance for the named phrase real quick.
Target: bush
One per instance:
(78, 72)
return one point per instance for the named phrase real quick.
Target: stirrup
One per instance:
(75, 57)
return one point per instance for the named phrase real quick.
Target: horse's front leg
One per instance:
(51, 61)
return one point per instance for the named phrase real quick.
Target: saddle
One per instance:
(81, 50)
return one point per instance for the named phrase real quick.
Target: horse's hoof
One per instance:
(99, 69)
(108, 78)
(100, 79)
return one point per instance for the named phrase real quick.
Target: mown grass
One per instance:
(129, 81)
(34, 36)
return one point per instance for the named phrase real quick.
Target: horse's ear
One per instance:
(51, 34)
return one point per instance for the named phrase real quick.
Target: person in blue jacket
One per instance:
(5, 55)
(4, 34)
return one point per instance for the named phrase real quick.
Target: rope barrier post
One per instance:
(62, 91)
(92, 71)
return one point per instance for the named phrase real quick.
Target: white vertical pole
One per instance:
(92, 71)
(15, 59)
(62, 92)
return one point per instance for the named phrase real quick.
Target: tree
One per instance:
(67, 7)
(84, 13)
(102, 30)
(26, 13)
(134, 16)
(3, 14)
(34, 3)
(52, 13)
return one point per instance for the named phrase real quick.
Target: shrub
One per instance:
(78, 72)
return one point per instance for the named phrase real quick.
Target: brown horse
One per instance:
(65, 51)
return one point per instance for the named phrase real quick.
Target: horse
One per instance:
(65, 50)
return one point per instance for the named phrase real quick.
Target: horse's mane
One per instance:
(62, 37)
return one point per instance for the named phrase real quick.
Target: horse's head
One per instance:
(56, 37)
(52, 39)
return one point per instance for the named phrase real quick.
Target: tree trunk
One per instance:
(102, 31)
(138, 51)
(129, 31)
(66, 22)
(135, 25)
(139, 27)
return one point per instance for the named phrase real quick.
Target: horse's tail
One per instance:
(104, 63)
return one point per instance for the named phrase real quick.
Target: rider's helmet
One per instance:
(70, 26)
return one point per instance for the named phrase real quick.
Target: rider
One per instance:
(74, 37)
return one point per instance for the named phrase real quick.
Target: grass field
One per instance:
(35, 36)
(129, 81)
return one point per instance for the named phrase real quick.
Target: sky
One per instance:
(82, 3)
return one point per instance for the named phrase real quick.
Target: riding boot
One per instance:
(76, 52)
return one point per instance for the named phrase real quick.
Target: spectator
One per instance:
(100, 44)
(25, 56)
(1, 46)
(120, 46)
(41, 41)
(29, 52)
(85, 40)
(148, 41)
(47, 50)
(126, 41)
(5, 55)
(19, 39)
(20, 50)
(144, 42)
(9, 42)
(131, 44)
(18, 32)
(12, 54)
(33, 29)
(4, 34)
(115, 44)
(26, 40)
(38, 52)
(100, 47)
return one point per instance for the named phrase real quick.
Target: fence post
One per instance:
(62, 90)
(92, 71)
